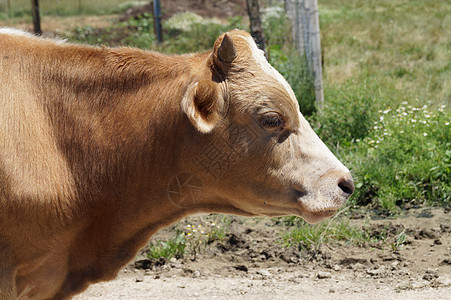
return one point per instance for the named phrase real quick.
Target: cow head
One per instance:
(255, 152)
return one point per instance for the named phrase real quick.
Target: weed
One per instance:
(310, 237)
(399, 241)
(174, 247)
(191, 239)
(200, 235)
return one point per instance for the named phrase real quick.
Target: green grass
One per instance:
(405, 159)
(311, 237)
(380, 57)
(192, 238)
(173, 247)
(404, 41)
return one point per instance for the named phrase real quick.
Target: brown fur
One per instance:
(90, 137)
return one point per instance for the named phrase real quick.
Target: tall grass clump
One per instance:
(192, 238)
(173, 247)
(348, 113)
(311, 237)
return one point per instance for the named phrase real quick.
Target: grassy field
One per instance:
(405, 43)
(388, 93)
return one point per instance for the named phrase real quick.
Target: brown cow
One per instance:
(101, 147)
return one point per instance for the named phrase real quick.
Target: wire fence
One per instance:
(19, 8)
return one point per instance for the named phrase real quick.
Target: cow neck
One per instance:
(114, 116)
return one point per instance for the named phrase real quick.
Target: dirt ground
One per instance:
(250, 263)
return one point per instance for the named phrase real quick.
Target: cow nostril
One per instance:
(347, 186)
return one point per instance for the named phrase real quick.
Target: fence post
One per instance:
(306, 36)
(316, 54)
(157, 20)
(36, 18)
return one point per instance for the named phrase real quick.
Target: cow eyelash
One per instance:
(272, 120)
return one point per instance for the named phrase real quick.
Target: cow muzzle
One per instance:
(326, 197)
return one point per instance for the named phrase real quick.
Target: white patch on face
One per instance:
(316, 147)
(18, 32)
(260, 59)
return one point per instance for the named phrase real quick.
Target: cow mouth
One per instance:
(326, 213)
(314, 217)
(315, 207)
(315, 214)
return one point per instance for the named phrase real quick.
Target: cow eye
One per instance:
(272, 120)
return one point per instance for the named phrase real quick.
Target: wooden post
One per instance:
(306, 36)
(36, 18)
(256, 24)
(316, 54)
(79, 6)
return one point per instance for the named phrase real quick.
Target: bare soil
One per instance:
(251, 263)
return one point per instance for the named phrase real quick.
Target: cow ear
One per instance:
(203, 105)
